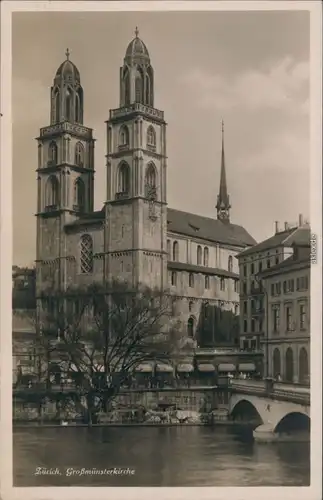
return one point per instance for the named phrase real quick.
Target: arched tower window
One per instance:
(289, 365)
(79, 106)
(303, 368)
(56, 106)
(52, 192)
(230, 263)
(206, 257)
(276, 362)
(124, 179)
(68, 105)
(150, 180)
(147, 89)
(207, 282)
(79, 154)
(191, 280)
(52, 153)
(79, 194)
(190, 327)
(151, 136)
(175, 251)
(86, 254)
(126, 87)
(139, 87)
(124, 136)
(199, 255)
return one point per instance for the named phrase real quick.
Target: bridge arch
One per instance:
(245, 410)
(293, 422)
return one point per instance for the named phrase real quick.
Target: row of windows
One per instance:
(253, 268)
(202, 255)
(256, 306)
(78, 154)
(124, 137)
(289, 286)
(191, 281)
(289, 324)
(254, 288)
(123, 187)
(52, 194)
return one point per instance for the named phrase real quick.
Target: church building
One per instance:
(135, 237)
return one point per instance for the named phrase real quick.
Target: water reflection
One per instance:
(161, 456)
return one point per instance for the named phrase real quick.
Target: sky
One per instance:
(250, 69)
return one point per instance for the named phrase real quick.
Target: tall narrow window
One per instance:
(289, 365)
(79, 194)
(276, 318)
(151, 136)
(52, 192)
(276, 362)
(222, 284)
(150, 180)
(124, 136)
(79, 154)
(190, 327)
(191, 280)
(52, 153)
(175, 251)
(230, 263)
(207, 282)
(138, 88)
(206, 256)
(302, 316)
(288, 318)
(78, 105)
(174, 278)
(124, 179)
(303, 368)
(199, 255)
(68, 105)
(147, 97)
(56, 104)
(86, 254)
(126, 83)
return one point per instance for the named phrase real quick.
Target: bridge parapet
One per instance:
(279, 391)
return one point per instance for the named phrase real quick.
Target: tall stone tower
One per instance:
(65, 175)
(136, 212)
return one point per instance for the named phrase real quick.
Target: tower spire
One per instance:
(223, 203)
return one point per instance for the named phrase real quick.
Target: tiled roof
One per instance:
(181, 266)
(192, 225)
(288, 238)
(206, 228)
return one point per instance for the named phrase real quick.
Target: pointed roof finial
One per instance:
(222, 129)
(136, 32)
(67, 53)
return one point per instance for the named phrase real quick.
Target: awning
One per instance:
(226, 367)
(185, 368)
(163, 367)
(247, 367)
(205, 367)
(144, 368)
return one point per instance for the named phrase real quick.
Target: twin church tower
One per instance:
(127, 239)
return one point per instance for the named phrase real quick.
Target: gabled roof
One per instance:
(288, 238)
(205, 228)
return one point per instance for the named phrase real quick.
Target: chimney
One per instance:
(300, 220)
(286, 226)
(276, 227)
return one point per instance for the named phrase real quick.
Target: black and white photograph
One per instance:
(165, 262)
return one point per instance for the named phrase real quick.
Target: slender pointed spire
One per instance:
(223, 203)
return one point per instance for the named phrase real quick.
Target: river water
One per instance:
(159, 456)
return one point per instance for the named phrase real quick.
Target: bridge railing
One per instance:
(276, 390)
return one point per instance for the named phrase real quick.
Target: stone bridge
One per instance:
(277, 412)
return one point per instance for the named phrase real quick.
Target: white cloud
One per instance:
(282, 86)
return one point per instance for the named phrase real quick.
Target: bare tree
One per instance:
(96, 331)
